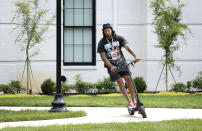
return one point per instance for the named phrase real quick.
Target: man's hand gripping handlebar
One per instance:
(125, 66)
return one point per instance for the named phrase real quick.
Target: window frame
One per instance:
(93, 63)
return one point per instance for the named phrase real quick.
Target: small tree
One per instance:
(30, 30)
(168, 27)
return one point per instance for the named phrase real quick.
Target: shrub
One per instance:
(6, 89)
(197, 82)
(1, 87)
(178, 87)
(91, 88)
(81, 87)
(99, 86)
(189, 85)
(13, 87)
(48, 87)
(66, 87)
(16, 86)
(105, 87)
(140, 84)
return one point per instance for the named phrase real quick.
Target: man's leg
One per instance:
(122, 88)
(130, 87)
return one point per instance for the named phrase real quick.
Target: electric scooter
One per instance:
(123, 66)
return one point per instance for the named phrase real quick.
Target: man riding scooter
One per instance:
(109, 48)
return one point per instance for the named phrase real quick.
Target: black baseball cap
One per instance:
(105, 26)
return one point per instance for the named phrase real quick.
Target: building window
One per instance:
(79, 32)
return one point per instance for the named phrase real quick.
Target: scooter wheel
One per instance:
(131, 111)
(142, 111)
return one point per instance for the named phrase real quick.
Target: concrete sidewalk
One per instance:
(108, 114)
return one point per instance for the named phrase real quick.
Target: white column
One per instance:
(115, 14)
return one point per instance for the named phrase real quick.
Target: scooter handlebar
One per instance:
(133, 62)
(125, 67)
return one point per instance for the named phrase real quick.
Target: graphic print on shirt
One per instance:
(113, 50)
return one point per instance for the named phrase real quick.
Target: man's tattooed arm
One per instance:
(106, 61)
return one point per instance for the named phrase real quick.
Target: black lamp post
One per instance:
(58, 103)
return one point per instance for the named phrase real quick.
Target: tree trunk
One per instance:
(166, 77)
(27, 61)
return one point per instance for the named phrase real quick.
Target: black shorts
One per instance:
(116, 75)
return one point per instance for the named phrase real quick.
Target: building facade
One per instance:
(82, 30)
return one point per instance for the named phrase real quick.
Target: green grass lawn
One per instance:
(27, 115)
(172, 125)
(187, 101)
